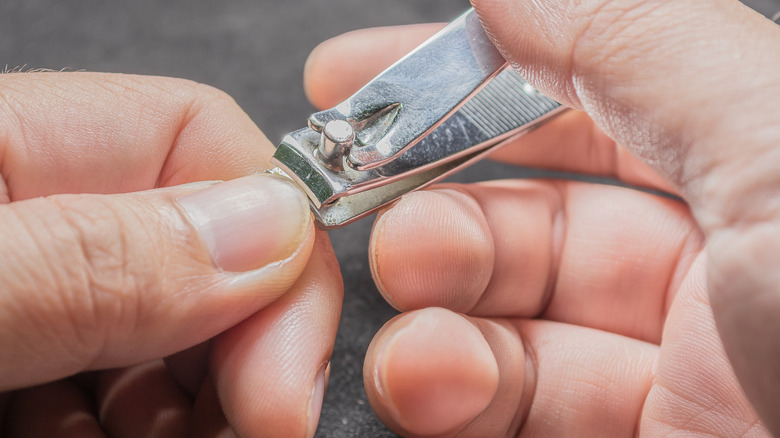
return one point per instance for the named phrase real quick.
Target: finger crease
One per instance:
(528, 395)
(188, 115)
(684, 263)
(5, 197)
(5, 145)
(558, 242)
(573, 91)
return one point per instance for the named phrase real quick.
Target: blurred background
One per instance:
(254, 50)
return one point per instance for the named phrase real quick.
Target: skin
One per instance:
(607, 311)
(163, 338)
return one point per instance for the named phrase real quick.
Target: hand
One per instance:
(114, 258)
(559, 308)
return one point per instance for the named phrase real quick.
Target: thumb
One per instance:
(691, 88)
(97, 281)
(679, 83)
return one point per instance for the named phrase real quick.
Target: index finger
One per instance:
(109, 133)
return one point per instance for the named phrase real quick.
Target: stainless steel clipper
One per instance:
(439, 109)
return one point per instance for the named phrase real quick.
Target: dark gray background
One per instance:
(254, 50)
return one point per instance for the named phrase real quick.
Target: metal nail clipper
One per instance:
(439, 109)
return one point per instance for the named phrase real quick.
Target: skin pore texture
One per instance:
(529, 307)
(130, 305)
(609, 312)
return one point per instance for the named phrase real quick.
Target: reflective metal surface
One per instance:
(438, 109)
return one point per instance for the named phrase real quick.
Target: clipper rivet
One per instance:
(337, 138)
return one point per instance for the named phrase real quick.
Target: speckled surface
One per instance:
(254, 50)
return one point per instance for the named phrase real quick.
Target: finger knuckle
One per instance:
(206, 99)
(100, 280)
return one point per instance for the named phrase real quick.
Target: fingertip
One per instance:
(432, 249)
(142, 400)
(58, 408)
(430, 373)
(338, 67)
(331, 74)
(313, 78)
(268, 370)
(208, 420)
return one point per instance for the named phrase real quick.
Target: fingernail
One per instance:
(436, 374)
(248, 222)
(317, 396)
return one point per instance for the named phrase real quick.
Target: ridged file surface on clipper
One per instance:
(437, 110)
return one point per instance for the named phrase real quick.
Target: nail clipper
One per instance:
(439, 109)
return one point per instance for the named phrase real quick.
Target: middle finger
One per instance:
(569, 251)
